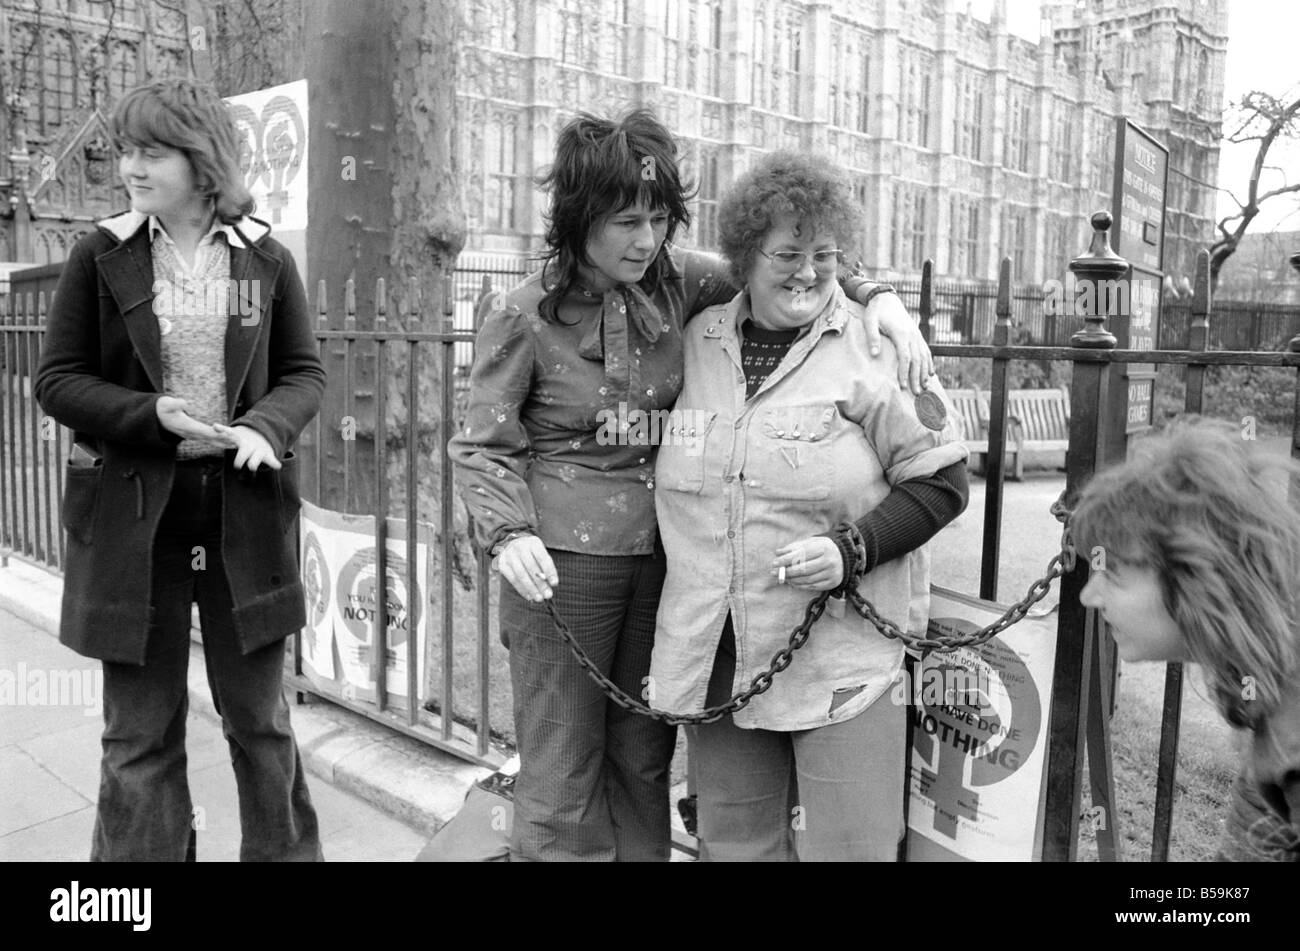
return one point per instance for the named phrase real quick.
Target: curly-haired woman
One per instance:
(1199, 555)
(796, 428)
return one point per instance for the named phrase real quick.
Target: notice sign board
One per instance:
(1138, 235)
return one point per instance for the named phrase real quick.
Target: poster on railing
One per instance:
(338, 565)
(979, 736)
(272, 127)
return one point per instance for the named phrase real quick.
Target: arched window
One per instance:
(58, 81)
(123, 69)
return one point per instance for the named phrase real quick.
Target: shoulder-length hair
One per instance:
(601, 167)
(188, 115)
(811, 188)
(1207, 510)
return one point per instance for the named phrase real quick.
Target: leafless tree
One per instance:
(1264, 119)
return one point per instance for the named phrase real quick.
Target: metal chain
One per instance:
(1062, 562)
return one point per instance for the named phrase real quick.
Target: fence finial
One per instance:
(381, 304)
(927, 298)
(1002, 326)
(1294, 345)
(350, 304)
(322, 308)
(1200, 327)
(1102, 267)
(413, 304)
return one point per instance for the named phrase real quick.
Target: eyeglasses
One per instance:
(826, 260)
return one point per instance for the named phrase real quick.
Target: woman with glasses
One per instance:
(556, 465)
(802, 467)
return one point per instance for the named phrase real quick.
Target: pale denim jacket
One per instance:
(821, 442)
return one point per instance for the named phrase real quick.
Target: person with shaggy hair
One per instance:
(1198, 549)
(180, 351)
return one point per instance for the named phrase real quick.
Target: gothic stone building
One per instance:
(966, 142)
(62, 62)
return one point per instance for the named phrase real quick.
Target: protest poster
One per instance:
(342, 602)
(979, 736)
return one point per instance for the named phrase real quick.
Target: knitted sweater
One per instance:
(192, 309)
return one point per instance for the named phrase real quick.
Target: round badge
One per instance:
(931, 411)
(164, 326)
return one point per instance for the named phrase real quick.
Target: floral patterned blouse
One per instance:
(563, 418)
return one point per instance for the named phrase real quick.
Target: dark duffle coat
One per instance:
(101, 375)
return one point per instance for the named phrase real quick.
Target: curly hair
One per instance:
(188, 115)
(816, 191)
(601, 167)
(1208, 512)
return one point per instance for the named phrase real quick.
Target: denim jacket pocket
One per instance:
(795, 444)
(803, 424)
(681, 462)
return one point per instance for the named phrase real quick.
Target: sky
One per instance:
(1262, 41)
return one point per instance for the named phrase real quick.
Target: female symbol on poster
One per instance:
(978, 755)
(356, 601)
(338, 565)
(318, 637)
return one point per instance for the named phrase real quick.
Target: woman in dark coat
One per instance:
(179, 350)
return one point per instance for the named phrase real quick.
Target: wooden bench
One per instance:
(972, 407)
(1037, 421)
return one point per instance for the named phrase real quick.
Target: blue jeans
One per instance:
(593, 778)
(834, 793)
(144, 809)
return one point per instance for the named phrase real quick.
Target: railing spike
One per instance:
(927, 298)
(1294, 345)
(1003, 307)
(381, 303)
(1200, 326)
(413, 302)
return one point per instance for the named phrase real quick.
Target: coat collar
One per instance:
(725, 328)
(244, 233)
(127, 271)
(726, 325)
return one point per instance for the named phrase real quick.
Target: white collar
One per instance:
(127, 223)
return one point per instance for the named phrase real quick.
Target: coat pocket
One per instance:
(287, 498)
(80, 500)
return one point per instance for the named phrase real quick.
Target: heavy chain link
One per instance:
(1061, 563)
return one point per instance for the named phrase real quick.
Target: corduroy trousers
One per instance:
(144, 809)
(593, 778)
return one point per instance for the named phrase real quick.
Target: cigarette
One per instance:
(780, 575)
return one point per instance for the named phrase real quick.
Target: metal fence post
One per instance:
(1074, 641)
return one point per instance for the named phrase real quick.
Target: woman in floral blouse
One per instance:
(574, 374)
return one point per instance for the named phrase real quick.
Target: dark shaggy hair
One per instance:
(810, 187)
(1207, 510)
(188, 115)
(601, 167)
